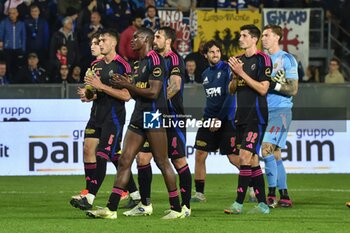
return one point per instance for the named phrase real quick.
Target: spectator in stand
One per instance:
(32, 73)
(190, 73)
(201, 61)
(125, 37)
(334, 74)
(118, 14)
(312, 75)
(85, 38)
(152, 20)
(13, 40)
(156, 3)
(75, 75)
(38, 36)
(63, 5)
(56, 62)
(65, 36)
(88, 7)
(62, 76)
(3, 77)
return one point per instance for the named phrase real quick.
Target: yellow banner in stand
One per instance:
(223, 26)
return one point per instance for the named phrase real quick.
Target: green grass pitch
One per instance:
(41, 204)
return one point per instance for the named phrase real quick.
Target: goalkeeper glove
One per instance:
(278, 80)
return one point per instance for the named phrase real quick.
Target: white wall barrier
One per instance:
(45, 137)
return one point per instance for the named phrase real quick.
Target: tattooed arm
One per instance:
(290, 87)
(174, 86)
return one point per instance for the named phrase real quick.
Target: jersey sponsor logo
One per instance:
(218, 75)
(141, 85)
(157, 72)
(213, 91)
(205, 81)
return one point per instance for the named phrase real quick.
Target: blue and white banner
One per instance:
(296, 25)
(50, 142)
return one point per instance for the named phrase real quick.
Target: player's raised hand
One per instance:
(236, 65)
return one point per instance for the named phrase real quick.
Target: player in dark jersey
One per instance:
(109, 114)
(220, 108)
(163, 42)
(149, 92)
(251, 81)
(91, 139)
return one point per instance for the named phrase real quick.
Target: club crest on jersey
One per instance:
(253, 67)
(157, 72)
(110, 73)
(218, 75)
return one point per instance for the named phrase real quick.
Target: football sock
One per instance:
(90, 172)
(258, 184)
(284, 194)
(199, 186)
(145, 180)
(244, 178)
(114, 198)
(174, 201)
(271, 170)
(185, 185)
(101, 166)
(281, 175)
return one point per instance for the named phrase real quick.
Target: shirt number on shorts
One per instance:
(251, 137)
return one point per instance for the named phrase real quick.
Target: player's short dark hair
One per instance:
(275, 29)
(148, 33)
(170, 33)
(253, 30)
(210, 44)
(111, 32)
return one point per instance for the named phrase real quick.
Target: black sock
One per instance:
(90, 173)
(114, 198)
(284, 194)
(244, 178)
(131, 186)
(174, 201)
(199, 186)
(272, 191)
(145, 180)
(101, 167)
(259, 184)
(185, 185)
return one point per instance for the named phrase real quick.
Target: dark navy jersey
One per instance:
(251, 106)
(176, 66)
(219, 102)
(151, 67)
(108, 107)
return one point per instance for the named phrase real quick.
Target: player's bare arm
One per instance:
(174, 86)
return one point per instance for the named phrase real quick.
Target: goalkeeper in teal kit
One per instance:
(283, 87)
